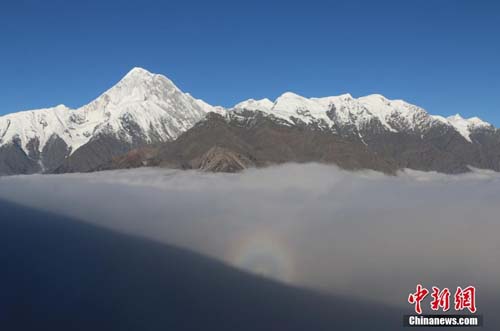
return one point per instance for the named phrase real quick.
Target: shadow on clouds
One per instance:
(360, 234)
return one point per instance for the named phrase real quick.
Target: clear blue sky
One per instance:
(442, 55)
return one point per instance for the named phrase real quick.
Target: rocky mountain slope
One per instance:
(233, 143)
(244, 138)
(146, 120)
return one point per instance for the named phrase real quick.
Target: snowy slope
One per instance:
(344, 110)
(252, 104)
(466, 126)
(27, 125)
(141, 103)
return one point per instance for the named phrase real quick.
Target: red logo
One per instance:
(441, 299)
(417, 297)
(464, 298)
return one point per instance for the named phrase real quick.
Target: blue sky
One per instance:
(442, 55)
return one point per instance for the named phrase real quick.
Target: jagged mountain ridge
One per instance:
(145, 109)
(344, 111)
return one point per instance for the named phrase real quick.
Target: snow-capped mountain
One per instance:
(465, 126)
(145, 108)
(141, 108)
(360, 113)
(158, 109)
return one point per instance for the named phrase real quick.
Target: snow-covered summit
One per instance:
(344, 110)
(252, 104)
(142, 105)
(466, 126)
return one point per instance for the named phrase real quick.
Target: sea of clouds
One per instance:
(363, 234)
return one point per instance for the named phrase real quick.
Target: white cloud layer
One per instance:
(362, 234)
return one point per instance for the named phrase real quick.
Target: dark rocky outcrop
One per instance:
(54, 153)
(98, 151)
(219, 159)
(13, 160)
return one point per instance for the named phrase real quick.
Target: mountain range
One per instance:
(146, 120)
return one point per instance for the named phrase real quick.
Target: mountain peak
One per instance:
(137, 85)
(456, 117)
(375, 99)
(139, 71)
(288, 95)
(376, 96)
(252, 104)
(137, 75)
(134, 76)
(346, 96)
(61, 107)
(464, 126)
(474, 121)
